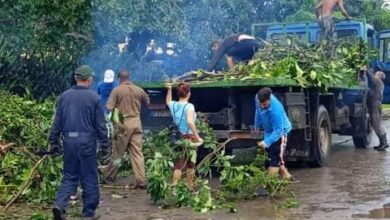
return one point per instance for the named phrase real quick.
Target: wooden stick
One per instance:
(3, 148)
(26, 183)
(112, 187)
(209, 156)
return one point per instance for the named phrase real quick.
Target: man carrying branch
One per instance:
(374, 103)
(270, 116)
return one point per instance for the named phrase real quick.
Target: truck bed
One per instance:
(239, 83)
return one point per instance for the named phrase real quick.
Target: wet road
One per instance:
(353, 185)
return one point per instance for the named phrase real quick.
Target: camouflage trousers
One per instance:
(375, 111)
(328, 34)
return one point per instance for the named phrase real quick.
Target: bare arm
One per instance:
(168, 99)
(230, 62)
(342, 9)
(191, 122)
(318, 6)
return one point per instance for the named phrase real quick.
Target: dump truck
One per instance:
(228, 105)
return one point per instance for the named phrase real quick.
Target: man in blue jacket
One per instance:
(105, 87)
(78, 123)
(270, 116)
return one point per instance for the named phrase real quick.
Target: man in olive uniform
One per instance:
(128, 99)
(374, 103)
(79, 122)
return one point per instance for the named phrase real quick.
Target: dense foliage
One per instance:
(45, 40)
(26, 124)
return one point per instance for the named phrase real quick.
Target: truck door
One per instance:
(383, 63)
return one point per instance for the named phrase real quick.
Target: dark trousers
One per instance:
(273, 152)
(80, 165)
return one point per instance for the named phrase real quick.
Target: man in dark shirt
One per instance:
(79, 121)
(374, 103)
(238, 48)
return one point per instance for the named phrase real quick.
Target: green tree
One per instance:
(46, 39)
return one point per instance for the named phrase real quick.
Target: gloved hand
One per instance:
(105, 155)
(261, 144)
(108, 116)
(55, 149)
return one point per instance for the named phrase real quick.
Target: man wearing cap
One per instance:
(79, 122)
(128, 99)
(105, 87)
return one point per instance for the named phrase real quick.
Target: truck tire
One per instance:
(323, 138)
(365, 140)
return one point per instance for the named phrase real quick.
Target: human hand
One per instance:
(105, 155)
(168, 85)
(261, 144)
(55, 149)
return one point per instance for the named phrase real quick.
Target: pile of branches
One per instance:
(25, 174)
(235, 182)
(307, 64)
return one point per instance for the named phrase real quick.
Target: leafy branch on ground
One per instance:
(235, 182)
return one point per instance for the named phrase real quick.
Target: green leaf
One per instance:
(313, 75)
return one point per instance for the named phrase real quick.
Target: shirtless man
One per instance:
(324, 10)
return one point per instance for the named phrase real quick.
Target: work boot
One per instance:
(58, 213)
(382, 147)
(383, 143)
(176, 177)
(95, 217)
(284, 173)
(190, 178)
(273, 171)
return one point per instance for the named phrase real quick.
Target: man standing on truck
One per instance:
(270, 116)
(324, 10)
(374, 104)
(238, 48)
(79, 122)
(128, 98)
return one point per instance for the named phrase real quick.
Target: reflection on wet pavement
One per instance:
(376, 213)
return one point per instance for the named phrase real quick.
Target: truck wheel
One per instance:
(323, 138)
(365, 140)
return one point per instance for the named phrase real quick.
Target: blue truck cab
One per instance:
(311, 32)
(383, 63)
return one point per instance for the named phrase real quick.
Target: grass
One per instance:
(385, 106)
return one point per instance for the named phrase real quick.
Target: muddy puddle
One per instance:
(375, 213)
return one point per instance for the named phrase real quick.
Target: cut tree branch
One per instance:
(26, 183)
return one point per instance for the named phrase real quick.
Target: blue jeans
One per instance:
(80, 165)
